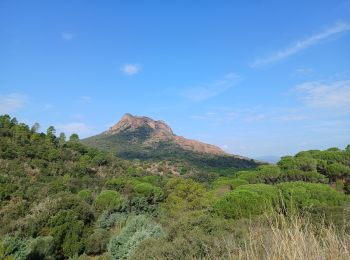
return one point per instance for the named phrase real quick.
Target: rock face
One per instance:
(160, 132)
(132, 123)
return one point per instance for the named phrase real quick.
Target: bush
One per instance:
(108, 200)
(42, 248)
(247, 201)
(15, 247)
(96, 243)
(150, 192)
(138, 229)
(67, 231)
(184, 195)
(107, 220)
(231, 183)
(301, 196)
(85, 195)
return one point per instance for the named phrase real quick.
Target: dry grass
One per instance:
(287, 239)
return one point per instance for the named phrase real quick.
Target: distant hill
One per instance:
(140, 137)
(268, 158)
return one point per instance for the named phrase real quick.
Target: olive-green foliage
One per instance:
(42, 248)
(16, 247)
(184, 195)
(138, 229)
(149, 191)
(108, 220)
(299, 175)
(67, 231)
(337, 170)
(86, 195)
(247, 201)
(190, 237)
(231, 183)
(61, 199)
(301, 196)
(96, 243)
(108, 200)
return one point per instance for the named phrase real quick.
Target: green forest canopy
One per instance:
(61, 199)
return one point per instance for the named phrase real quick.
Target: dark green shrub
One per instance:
(96, 243)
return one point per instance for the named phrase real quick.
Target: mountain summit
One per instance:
(140, 137)
(157, 131)
(132, 123)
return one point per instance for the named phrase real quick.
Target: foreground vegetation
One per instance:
(60, 199)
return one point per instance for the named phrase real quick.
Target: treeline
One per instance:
(60, 199)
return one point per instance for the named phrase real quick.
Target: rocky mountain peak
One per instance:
(131, 123)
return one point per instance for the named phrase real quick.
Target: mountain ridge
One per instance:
(161, 132)
(141, 137)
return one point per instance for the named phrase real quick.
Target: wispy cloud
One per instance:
(11, 102)
(85, 99)
(333, 95)
(302, 72)
(67, 36)
(130, 69)
(301, 45)
(81, 129)
(212, 89)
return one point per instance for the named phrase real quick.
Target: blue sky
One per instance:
(256, 79)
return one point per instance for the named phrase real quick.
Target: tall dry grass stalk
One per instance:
(287, 239)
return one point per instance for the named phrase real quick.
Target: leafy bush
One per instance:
(184, 195)
(108, 200)
(149, 191)
(138, 229)
(301, 196)
(231, 183)
(108, 220)
(85, 195)
(42, 248)
(96, 243)
(67, 231)
(15, 247)
(247, 201)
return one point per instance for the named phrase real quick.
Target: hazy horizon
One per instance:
(262, 79)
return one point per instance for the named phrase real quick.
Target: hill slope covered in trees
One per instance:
(139, 137)
(61, 199)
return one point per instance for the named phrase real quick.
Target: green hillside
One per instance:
(60, 199)
(134, 144)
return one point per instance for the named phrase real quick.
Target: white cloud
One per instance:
(290, 117)
(11, 102)
(67, 36)
(79, 128)
(334, 95)
(302, 72)
(130, 69)
(255, 117)
(211, 89)
(303, 44)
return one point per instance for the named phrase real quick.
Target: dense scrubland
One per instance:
(60, 199)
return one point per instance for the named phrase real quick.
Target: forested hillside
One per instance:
(145, 139)
(60, 199)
